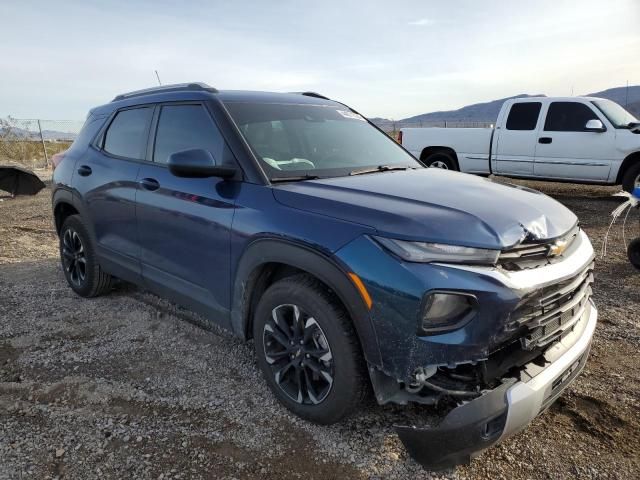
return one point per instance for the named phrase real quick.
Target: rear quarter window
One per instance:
(523, 116)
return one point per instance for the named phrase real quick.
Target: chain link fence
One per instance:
(32, 142)
(392, 128)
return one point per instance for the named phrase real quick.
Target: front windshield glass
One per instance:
(293, 140)
(616, 114)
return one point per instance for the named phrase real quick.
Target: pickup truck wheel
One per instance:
(77, 255)
(308, 351)
(631, 178)
(633, 252)
(441, 160)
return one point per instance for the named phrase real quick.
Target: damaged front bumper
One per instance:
(480, 423)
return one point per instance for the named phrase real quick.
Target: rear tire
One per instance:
(442, 160)
(631, 177)
(633, 252)
(78, 258)
(298, 315)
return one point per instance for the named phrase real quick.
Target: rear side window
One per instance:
(524, 116)
(568, 117)
(183, 127)
(127, 134)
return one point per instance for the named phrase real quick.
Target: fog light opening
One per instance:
(446, 311)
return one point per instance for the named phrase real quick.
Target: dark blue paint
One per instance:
(186, 239)
(434, 205)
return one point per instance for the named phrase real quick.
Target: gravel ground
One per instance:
(131, 386)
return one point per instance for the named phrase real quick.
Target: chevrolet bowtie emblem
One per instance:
(558, 248)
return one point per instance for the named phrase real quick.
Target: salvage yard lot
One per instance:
(131, 386)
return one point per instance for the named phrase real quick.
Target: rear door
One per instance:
(566, 150)
(516, 143)
(184, 223)
(105, 178)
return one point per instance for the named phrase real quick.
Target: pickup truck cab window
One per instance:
(127, 135)
(568, 117)
(524, 116)
(184, 127)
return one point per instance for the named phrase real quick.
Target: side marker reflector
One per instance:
(361, 288)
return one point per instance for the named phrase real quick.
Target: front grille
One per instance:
(551, 312)
(532, 255)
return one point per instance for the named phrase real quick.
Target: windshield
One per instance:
(293, 140)
(616, 114)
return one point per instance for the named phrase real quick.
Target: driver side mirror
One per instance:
(594, 126)
(198, 163)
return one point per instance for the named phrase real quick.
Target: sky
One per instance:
(390, 59)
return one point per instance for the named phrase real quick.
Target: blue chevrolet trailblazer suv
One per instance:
(291, 220)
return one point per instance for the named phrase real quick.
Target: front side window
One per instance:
(568, 117)
(185, 127)
(318, 140)
(127, 135)
(524, 116)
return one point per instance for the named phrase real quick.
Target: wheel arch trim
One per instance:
(431, 149)
(261, 252)
(626, 164)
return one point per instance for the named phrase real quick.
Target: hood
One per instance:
(434, 205)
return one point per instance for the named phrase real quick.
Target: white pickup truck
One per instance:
(573, 139)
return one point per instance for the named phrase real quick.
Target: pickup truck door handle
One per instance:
(545, 140)
(149, 184)
(84, 170)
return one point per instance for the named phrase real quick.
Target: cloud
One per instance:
(422, 22)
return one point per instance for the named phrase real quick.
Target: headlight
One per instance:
(445, 311)
(439, 252)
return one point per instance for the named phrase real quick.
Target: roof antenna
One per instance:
(158, 77)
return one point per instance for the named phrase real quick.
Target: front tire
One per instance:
(308, 351)
(79, 264)
(631, 178)
(441, 160)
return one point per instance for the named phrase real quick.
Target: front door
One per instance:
(184, 223)
(567, 151)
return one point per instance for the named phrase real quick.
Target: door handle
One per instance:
(545, 140)
(84, 170)
(149, 184)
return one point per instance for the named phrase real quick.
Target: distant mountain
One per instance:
(488, 112)
(21, 134)
(621, 95)
(478, 112)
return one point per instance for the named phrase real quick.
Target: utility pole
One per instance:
(626, 96)
(44, 147)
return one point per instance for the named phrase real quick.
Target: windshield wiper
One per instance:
(379, 168)
(298, 178)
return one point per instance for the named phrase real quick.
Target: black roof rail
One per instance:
(313, 94)
(178, 87)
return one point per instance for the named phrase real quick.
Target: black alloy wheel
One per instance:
(74, 260)
(298, 354)
(78, 259)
